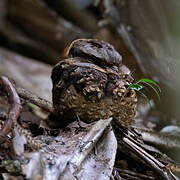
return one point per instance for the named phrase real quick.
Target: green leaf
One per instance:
(144, 80)
(136, 87)
(154, 90)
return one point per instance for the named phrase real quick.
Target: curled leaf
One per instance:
(144, 80)
(148, 82)
(156, 92)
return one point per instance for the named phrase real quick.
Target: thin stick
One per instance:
(42, 103)
(14, 110)
(133, 174)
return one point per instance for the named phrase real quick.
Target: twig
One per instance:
(14, 110)
(42, 103)
(133, 174)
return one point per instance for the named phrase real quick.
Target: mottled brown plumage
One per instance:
(91, 83)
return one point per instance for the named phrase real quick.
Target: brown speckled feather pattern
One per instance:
(89, 91)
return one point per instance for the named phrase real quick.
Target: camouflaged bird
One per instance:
(91, 83)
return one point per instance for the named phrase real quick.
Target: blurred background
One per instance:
(34, 33)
